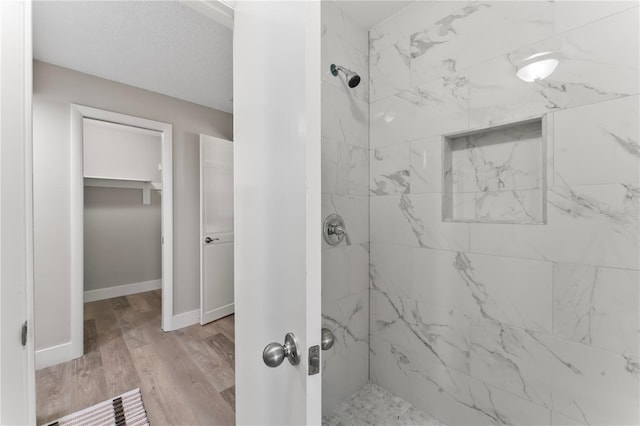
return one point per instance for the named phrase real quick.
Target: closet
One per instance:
(122, 171)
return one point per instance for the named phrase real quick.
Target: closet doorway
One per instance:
(116, 157)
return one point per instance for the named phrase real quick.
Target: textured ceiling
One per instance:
(165, 47)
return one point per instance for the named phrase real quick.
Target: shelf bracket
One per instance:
(146, 193)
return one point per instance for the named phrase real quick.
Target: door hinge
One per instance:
(24, 333)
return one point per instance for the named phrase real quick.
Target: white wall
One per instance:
(54, 89)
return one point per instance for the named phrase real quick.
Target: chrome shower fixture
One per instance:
(334, 230)
(353, 79)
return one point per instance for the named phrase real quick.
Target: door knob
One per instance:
(275, 353)
(209, 240)
(327, 339)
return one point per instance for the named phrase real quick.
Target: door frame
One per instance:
(78, 113)
(313, 414)
(17, 362)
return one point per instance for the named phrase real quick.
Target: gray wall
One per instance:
(55, 88)
(121, 237)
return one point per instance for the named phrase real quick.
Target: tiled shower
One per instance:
(493, 275)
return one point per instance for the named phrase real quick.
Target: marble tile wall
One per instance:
(496, 174)
(484, 323)
(345, 188)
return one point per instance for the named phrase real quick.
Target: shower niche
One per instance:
(496, 174)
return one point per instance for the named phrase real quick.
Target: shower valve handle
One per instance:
(339, 230)
(334, 230)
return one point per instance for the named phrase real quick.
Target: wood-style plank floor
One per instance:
(186, 376)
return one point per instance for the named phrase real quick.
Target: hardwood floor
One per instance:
(186, 376)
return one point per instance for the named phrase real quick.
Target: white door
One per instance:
(277, 207)
(17, 383)
(216, 228)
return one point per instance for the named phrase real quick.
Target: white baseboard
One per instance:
(184, 319)
(217, 313)
(121, 290)
(55, 355)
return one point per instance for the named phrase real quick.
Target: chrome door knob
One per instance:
(275, 353)
(327, 340)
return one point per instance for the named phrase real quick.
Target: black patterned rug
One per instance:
(126, 409)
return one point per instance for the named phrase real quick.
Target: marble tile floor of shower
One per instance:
(372, 405)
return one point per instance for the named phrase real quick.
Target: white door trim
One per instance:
(28, 144)
(17, 371)
(78, 112)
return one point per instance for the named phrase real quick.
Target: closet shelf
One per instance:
(129, 183)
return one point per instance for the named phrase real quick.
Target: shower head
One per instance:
(353, 79)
